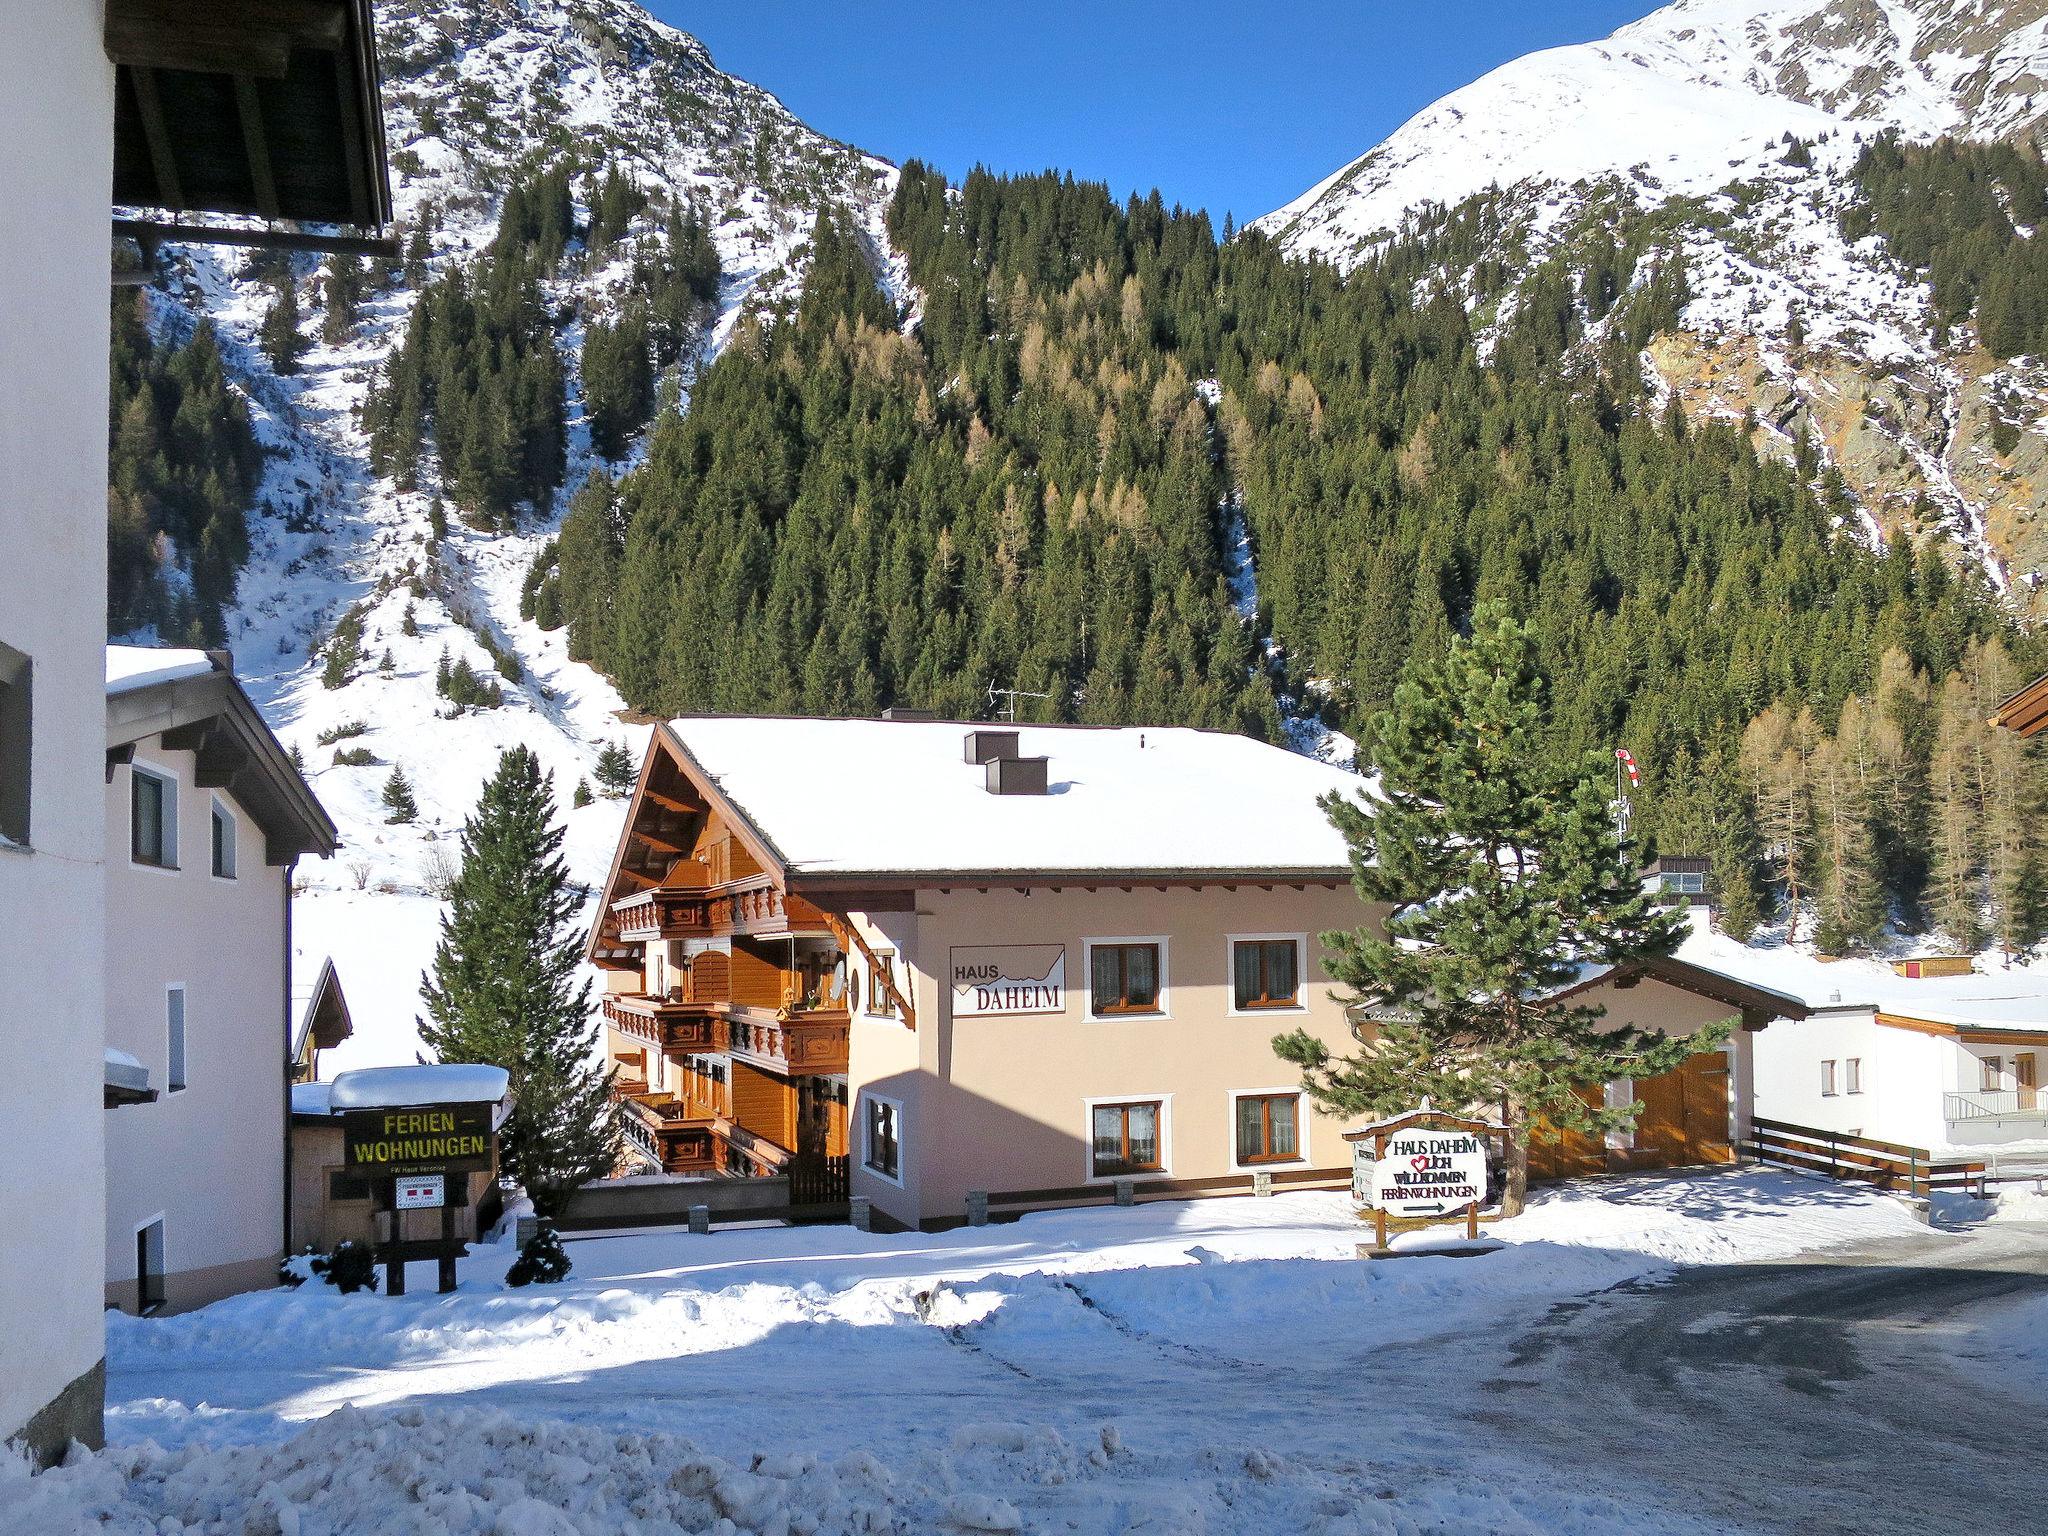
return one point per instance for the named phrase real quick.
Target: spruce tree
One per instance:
(1506, 877)
(504, 988)
(398, 800)
(279, 335)
(615, 771)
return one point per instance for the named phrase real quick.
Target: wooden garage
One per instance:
(1692, 1115)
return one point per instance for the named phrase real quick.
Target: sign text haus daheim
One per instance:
(992, 979)
(434, 1138)
(1429, 1173)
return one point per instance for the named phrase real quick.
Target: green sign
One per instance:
(429, 1138)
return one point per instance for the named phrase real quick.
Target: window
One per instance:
(883, 1143)
(1265, 973)
(881, 974)
(1992, 1074)
(1125, 1139)
(1124, 978)
(223, 842)
(1684, 882)
(149, 1266)
(174, 1009)
(1268, 1127)
(17, 697)
(152, 818)
(1827, 1079)
(1852, 1075)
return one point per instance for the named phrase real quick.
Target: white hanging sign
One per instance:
(990, 979)
(425, 1192)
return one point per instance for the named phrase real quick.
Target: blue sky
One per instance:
(1229, 106)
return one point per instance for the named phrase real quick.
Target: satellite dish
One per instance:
(839, 980)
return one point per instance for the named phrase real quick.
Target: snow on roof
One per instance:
(1994, 997)
(139, 666)
(312, 1098)
(892, 796)
(430, 1083)
(124, 1071)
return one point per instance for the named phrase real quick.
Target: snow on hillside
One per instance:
(476, 92)
(1687, 112)
(1681, 98)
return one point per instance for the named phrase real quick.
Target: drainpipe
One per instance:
(291, 873)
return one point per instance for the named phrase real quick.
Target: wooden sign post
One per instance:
(1426, 1166)
(420, 1157)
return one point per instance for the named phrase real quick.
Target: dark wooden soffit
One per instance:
(264, 108)
(1757, 1005)
(2027, 710)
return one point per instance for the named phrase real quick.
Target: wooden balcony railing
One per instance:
(813, 1040)
(673, 1026)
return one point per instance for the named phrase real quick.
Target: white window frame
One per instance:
(1993, 1069)
(1163, 1011)
(183, 1055)
(169, 781)
(874, 1002)
(1230, 943)
(1140, 1096)
(221, 808)
(1830, 1084)
(1301, 1120)
(867, 1134)
(1852, 1075)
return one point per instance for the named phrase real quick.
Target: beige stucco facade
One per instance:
(1003, 1104)
(205, 1160)
(56, 119)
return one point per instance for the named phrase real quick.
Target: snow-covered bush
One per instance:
(350, 1267)
(541, 1261)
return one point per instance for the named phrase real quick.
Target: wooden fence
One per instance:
(1887, 1164)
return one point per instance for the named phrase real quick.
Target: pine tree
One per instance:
(1505, 877)
(343, 293)
(279, 334)
(398, 800)
(582, 797)
(615, 771)
(504, 991)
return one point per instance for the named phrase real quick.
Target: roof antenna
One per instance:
(1008, 710)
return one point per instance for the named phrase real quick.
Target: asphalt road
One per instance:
(1831, 1395)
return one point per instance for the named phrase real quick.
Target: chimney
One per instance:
(1015, 775)
(985, 746)
(905, 712)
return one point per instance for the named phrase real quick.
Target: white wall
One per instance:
(56, 120)
(1904, 1075)
(210, 1158)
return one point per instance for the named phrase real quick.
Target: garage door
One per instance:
(1556, 1154)
(1684, 1118)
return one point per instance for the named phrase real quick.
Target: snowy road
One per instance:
(1843, 1394)
(1651, 1356)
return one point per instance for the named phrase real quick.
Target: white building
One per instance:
(57, 120)
(206, 818)
(101, 102)
(1951, 1063)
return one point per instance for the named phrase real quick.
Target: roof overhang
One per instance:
(2026, 711)
(211, 716)
(1757, 1005)
(325, 1017)
(269, 109)
(1969, 1034)
(126, 1082)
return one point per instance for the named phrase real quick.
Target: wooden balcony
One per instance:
(684, 1140)
(805, 1041)
(671, 1025)
(748, 908)
(661, 914)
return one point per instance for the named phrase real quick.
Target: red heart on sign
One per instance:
(1418, 1163)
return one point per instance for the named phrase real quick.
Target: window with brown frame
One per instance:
(1991, 1072)
(1265, 973)
(1123, 978)
(1126, 1138)
(1269, 1128)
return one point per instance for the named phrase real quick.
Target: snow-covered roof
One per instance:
(139, 666)
(125, 1072)
(1993, 997)
(898, 797)
(428, 1083)
(312, 1098)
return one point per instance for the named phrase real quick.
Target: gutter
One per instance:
(291, 872)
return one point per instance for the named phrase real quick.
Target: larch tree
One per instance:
(1505, 881)
(504, 989)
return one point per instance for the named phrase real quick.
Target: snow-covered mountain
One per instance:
(476, 91)
(1686, 113)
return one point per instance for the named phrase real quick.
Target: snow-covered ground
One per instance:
(1205, 1366)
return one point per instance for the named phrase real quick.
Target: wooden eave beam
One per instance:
(150, 112)
(658, 844)
(355, 145)
(256, 145)
(221, 37)
(672, 803)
